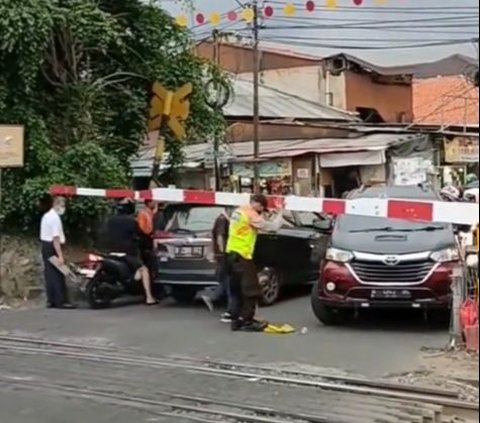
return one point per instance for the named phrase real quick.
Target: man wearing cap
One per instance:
(245, 223)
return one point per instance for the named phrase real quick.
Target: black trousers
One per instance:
(54, 280)
(147, 255)
(245, 289)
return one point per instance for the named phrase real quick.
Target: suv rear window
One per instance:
(191, 218)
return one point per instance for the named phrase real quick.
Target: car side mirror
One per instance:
(323, 225)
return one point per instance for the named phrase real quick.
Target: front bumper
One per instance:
(350, 293)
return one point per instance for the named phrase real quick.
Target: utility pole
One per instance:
(218, 95)
(216, 140)
(256, 99)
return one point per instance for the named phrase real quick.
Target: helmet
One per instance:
(450, 193)
(126, 207)
(471, 195)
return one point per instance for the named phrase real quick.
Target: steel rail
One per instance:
(95, 393)
(349, 380)
(162, 363)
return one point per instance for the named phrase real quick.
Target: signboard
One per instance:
(271, 168)
(11, 146)
(303, 173)
(411, 170)
(461, 150)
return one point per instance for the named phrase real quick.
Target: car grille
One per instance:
(403, 273)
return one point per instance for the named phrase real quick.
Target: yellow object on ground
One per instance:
(279, 330)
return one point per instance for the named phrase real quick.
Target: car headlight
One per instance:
(446, 255)
(341, 256)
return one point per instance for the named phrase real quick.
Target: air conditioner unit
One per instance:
(336, 65)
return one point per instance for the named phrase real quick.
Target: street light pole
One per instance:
(256, 99)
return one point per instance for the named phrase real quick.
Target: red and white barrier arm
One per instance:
(426, 211)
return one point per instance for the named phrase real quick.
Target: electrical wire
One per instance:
(384, 9)
(463, 21)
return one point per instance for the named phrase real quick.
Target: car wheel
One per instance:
(271, 282)
(329, 316)
(97, 296)
(183, 295)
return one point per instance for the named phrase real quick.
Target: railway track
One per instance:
(368, 401)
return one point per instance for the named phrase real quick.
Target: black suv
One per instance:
(185, 258)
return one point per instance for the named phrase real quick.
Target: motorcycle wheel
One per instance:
(96, 297)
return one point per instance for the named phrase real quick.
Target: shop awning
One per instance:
(359, 158)
(364, 149)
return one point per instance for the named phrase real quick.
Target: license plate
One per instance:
(184, 252)
(390, 294)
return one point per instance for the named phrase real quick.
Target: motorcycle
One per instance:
(109, 278)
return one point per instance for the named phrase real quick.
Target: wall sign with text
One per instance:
(11, 146)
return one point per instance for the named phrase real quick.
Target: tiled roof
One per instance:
(448, 100)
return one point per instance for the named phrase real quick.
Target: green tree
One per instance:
(78, 75)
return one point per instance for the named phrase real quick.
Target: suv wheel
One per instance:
(327, 315)
(271, 282)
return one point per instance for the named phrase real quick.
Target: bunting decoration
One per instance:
(268, 11)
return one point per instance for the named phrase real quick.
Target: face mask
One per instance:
(61, 211)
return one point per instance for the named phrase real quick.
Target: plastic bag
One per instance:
(469, 313)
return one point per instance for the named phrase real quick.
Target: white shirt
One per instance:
(51, 227)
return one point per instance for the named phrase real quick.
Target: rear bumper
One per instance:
(187, 277)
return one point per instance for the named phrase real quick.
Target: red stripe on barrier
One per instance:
(63, 190)
(199, 197)
(120, 193)
(276, 202)
(410, 210)
(335, 207)
(146, 195)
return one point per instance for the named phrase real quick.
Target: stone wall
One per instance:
(20, 267)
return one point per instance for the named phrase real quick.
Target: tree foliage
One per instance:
(78, 75)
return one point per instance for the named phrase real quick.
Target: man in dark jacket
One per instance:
(122, 236)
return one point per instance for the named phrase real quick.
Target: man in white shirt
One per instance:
(53, 238)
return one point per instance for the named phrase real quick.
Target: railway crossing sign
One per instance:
(171, 108)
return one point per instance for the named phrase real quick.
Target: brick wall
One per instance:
(390, 100)
(238, 59)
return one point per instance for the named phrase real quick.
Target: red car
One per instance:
(375, 262)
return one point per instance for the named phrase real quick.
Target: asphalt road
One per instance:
(376, 345)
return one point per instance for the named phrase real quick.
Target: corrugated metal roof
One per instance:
(277, 104)
(243, 151)
(380, 70)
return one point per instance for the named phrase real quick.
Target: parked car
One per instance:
(374, 262)
(185, 261)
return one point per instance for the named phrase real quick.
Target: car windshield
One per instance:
(192, 218)
(352, 224)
